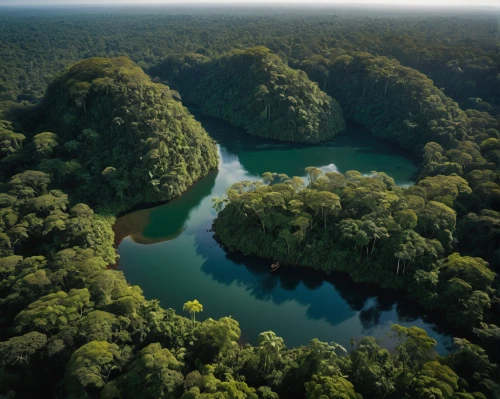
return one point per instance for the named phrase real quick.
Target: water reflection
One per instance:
(183, 262)
(350, 310)
(165, 222)
(243, 157)
(356, 149)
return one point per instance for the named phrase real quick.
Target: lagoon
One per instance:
(170, 252)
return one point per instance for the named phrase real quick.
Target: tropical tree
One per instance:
(270, 347)
(193, 307)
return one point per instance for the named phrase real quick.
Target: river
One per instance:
(169, 252)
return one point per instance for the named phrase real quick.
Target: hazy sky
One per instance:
(436, 3)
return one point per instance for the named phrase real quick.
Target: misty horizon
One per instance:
(446, 4)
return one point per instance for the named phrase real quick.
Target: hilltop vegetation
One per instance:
(394, 102)
(253, 89)
(121, 138)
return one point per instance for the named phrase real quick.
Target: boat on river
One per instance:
(275, 266)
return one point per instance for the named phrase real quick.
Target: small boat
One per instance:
(275, 266)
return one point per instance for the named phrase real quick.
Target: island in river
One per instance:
(170, 252)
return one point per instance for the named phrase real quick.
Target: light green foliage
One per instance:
(436, 381)
(54, 311)
(491, 144)
(8, 265)
(220, 334)
(270, 347)
(90, 367)
(407, 219)
(374, 371)
(10, 142)
(473, 270)
(441, 186)
(468, 282)
(107, 286)
(154, 372)
(209, 387)
(415, 346)
(330, 388)
(396, 237)
(193, 307)
(76, 265)
(43, 144)
(99, 326)
(29, 184)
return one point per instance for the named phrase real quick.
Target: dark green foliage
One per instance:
(255, 90)
(394, 102)
(132, 141)
(10, 143)
(19, 350)
(459, 53)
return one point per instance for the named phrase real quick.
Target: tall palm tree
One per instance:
(193, 307)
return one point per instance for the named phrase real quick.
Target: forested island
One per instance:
(93, 123)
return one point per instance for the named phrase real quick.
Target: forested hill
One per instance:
(395, 102)
(255, 90)
(458, 52)
(116, 138)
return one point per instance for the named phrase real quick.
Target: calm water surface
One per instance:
(169, 252)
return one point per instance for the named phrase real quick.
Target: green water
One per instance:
(169, 252)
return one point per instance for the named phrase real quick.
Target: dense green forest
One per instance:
(255, 90)
(396, 103)
(149, 148)
(458, 52)
(84, 140)
(119, 139)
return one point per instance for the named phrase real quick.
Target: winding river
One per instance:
(169, 252)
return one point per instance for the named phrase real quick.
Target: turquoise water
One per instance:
(171, 254)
